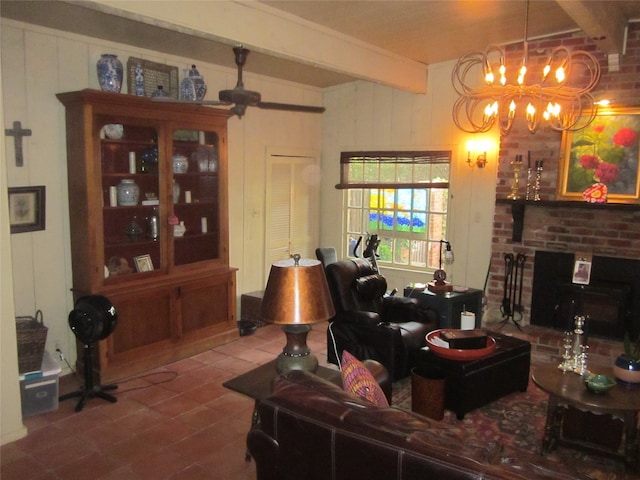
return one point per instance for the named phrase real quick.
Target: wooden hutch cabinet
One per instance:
(175, 295)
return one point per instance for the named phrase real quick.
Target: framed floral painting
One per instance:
(604, 154)
(27, 209)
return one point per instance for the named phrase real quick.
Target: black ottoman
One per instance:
(470, 385)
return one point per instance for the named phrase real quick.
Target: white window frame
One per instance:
(413, 171)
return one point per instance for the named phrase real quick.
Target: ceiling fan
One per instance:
(241, 98)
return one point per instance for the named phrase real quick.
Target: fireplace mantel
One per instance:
(518, 209)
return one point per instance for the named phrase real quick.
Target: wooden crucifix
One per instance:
(17, 132)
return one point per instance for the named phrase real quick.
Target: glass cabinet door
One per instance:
(131, 213)
(196, 232)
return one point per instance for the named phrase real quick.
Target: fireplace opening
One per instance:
(611, 300)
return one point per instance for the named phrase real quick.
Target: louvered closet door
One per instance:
(292, 208)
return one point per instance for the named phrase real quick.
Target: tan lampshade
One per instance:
(297, 294)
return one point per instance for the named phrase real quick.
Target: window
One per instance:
(403, 198)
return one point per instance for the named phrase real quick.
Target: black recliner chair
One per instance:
(370, 324)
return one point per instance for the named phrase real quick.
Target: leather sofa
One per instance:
(370, 324)
(311, 429)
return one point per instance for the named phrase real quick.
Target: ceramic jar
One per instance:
(159, 92)
(180, 163)
(128, 192)
(198, 83)
(110, 73)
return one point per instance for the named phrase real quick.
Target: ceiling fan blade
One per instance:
(192, 102)
(290, 107)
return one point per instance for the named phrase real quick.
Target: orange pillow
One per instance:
(358, 381)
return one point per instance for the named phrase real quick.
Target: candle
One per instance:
(187, 196)
(113, 196)
(203, 224)
(132, 162)
(467, 321)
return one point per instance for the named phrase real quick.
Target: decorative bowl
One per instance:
(599, 383)
(466, 355)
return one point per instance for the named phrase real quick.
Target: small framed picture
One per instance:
(143, 263)
(27, 209)
(582, 272)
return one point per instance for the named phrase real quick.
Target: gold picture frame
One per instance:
(607, 151)
(143, 263)
(27, 208)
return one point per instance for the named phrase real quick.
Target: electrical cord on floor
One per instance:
(172, 373)
(335, 347)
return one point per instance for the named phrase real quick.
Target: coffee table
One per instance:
(470, 385)
(256, 384)
(568, 389)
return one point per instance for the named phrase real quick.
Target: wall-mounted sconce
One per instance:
(477, 153)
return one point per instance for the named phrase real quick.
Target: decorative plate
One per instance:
(433, 340)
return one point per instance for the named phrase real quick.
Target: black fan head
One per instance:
(93, 318)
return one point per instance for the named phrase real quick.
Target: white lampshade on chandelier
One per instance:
(556, 92)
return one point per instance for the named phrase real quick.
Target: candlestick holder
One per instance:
(527, 195)
(567, 359)
(515, 184)
(536, 187)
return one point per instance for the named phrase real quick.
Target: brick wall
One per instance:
(607, 232)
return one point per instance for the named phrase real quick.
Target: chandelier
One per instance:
(558, 93)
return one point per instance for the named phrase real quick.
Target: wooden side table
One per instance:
(568, 389)
(449, 305)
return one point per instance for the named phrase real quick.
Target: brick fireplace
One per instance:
(564, 227)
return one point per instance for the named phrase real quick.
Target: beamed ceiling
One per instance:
(389, 42)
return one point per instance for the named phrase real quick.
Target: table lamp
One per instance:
(297, 295)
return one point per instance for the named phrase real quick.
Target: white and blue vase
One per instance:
(198, 83)
(187, 87)
(139, 77)
(110, 73)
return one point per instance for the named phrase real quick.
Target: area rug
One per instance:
(517, 420)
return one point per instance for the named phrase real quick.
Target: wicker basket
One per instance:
(32, 336)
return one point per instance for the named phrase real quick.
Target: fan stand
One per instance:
(89, 390)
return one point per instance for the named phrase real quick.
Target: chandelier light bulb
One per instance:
(522, 73)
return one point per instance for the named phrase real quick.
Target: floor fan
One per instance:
(93, 318)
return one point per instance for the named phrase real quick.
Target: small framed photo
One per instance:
(143, 263)
(582, 271)
(27, 209)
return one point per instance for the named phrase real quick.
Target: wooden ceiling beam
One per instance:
(604, 22)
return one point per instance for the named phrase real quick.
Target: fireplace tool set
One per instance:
(511, 307)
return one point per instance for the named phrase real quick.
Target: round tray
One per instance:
(465, 355)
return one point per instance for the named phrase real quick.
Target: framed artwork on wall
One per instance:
(27, 209)
(605, 152)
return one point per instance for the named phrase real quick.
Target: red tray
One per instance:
(459, 354)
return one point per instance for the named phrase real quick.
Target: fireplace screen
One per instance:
(611, 299)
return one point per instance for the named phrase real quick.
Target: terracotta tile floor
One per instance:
(177, 422)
